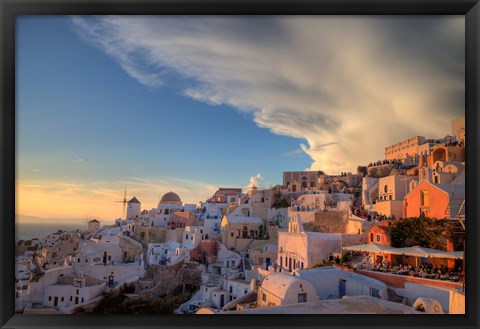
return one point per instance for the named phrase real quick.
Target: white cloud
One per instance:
(256, 180)
(80, 160)
(356, 84)
(293, 153)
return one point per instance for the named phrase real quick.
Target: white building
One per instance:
(93, 225)
(192, 236)
(133, 209)
(164, 253)
(239, 231)
(72, 290)
(391, 191)
(298, 249)
(168, 205)
(331, 282)
(211, 215)
(284, 289)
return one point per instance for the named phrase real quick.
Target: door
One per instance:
(76, 300)
(55, 302)
(341, 288)
(222, 300)
(267, 263)
(302, 298)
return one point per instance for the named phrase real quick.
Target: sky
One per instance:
(192, 103)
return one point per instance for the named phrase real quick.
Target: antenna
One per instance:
(124, 201)
(87, 219)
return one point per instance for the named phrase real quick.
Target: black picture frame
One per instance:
(12, 8)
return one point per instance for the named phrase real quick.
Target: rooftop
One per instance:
(346, 305)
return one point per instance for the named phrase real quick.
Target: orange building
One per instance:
(379, 234)
(407, 147)
(446, 153)
(432, 200)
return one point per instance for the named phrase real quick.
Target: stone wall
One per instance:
(354, 239)
(132, 248)
(398, 281)
(149, 234)
(328, 222)
(174, 235)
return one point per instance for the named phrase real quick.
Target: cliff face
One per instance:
(167, 278)
(328, 222)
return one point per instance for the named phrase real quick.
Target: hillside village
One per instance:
(385, 239)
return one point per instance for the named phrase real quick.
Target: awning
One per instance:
(417, 251)
(449, 254)
(370, 247)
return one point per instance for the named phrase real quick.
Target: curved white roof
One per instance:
(279, 283)
(317, 277)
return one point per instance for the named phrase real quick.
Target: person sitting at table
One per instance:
(400, 269)
(422, 272)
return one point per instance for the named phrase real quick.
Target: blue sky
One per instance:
(191, 104)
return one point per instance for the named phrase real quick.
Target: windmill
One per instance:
(124, 201)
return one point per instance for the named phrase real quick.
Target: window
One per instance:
(281, 261)
(231, 234)
(71, 298)
(424, 198)
(186, 237)
(379, 238)
(78, 260)
(166, 211)
(83, 299)
(78, 291)
(50, 298)
(374, 292)
(231, 289)
(263, 199)
(264, 297)
(63, 299)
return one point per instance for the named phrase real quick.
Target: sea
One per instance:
(28, 231)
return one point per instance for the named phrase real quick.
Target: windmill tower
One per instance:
(124, 201)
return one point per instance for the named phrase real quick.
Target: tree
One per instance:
(423, 231)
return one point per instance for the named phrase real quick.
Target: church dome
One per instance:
(170, 198)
